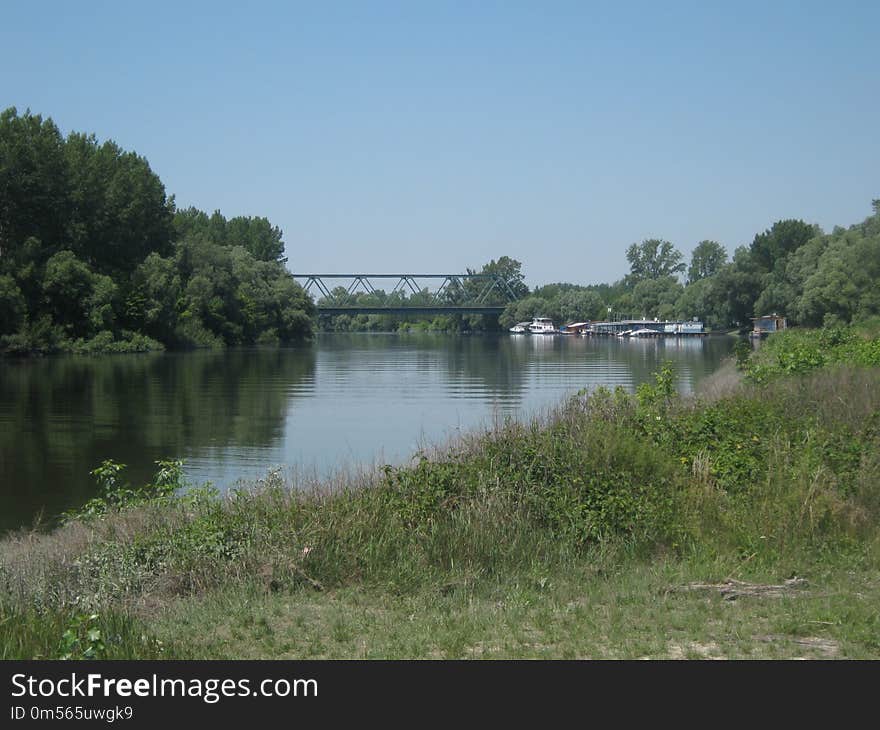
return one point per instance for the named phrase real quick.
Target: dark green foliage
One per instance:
(39, 335)
(93, 257)
(77, 299)
(34, 186)
(120, 212)
(221, 295)
(771, 248)
(257, 236)
(736, 288)
(12, 305)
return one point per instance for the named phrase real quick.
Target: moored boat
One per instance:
(574, 328)
(542, 326)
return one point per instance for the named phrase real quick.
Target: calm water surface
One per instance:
(344, 401)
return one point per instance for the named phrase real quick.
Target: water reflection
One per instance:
(346, 400)
(60, 417)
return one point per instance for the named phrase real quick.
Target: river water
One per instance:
(345, 401)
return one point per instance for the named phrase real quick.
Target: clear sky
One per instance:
(417, 136)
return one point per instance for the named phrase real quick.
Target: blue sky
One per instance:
(385, 136)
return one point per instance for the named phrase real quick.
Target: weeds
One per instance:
(114, 495)
(31, 634)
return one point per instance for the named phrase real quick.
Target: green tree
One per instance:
(702, 299)
(841, 272)
(101, 303)
(511, 281)
(90, 244)
(120, 210)
(654, 259)
(737, 286)
(656, 297)
(192, 222)
(706, 260)
(152, 305)
(771, 248)
(580, 305)
(258, 236)
(12, 305)
(526, 309)
(34, 187)
(68, 286)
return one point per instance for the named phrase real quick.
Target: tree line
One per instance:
(793, 268)
(95, 256)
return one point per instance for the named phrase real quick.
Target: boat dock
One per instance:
(647, 328)
(615, 328)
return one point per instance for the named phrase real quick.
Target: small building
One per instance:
(769, 323)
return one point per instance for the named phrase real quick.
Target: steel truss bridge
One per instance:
(450, 297)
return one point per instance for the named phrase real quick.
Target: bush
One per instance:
(797, 352)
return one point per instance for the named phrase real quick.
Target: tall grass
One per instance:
(66, 634)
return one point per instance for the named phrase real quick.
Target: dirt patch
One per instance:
(694, 650)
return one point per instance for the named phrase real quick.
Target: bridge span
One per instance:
(468, 293)
(414, 309)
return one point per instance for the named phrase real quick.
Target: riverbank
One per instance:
(742, 522)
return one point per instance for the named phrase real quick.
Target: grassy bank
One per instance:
(742, 522)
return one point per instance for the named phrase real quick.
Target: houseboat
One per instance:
(769, 323)
(542, 326)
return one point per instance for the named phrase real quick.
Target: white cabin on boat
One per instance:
(542, 326)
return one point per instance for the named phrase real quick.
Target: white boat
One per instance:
(520, 328)
(575, 328)
(542, 326)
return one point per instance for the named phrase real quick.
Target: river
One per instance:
(345, 401)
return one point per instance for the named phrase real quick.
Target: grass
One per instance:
(58, 634)
(572, 535)
(634, 611)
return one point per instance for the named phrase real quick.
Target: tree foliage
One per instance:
(654, 259)
(94, 255)
(771, 248)
(706, 260)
